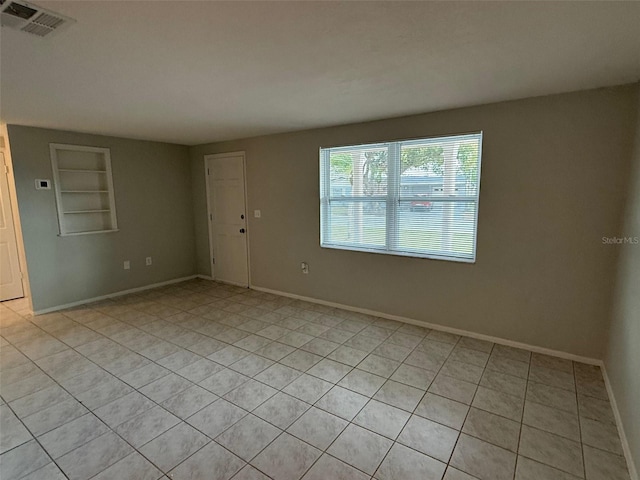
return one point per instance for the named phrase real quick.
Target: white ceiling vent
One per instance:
(31, 18)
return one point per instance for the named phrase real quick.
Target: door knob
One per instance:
(241, 217)
(242, 230)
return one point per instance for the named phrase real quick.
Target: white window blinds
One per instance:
(413, 197)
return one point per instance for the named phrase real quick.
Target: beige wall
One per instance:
(553, 176)
(622, 358)
(153, 202)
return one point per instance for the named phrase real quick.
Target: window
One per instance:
(84, 189)
(414, 197)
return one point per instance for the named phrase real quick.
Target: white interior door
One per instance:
(227, 218)
(10, 277)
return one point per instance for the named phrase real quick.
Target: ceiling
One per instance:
(197, 72)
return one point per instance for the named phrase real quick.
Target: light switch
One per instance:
(256, 213)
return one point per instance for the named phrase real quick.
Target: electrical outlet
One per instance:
(305, 267)
(148, 261)
(257, 213)
(127, 265)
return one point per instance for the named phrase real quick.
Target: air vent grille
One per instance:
(36, 29)
(48, 20)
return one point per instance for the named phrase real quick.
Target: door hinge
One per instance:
(211, 216)
(213, 260)
(208, 172)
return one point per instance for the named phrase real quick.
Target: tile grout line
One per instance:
(468, 411)
(524, 405)
(584, 464)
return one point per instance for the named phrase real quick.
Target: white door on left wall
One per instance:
(10, 277)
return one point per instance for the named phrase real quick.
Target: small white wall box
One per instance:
(42, 184)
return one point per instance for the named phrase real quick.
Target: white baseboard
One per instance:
(115, 294)
(434, 326)
(633, 473)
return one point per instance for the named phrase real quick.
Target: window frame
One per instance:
(394, 198)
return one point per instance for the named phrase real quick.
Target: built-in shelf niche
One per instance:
(84, 189)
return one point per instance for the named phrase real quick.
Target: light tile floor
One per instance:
(205, 381)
